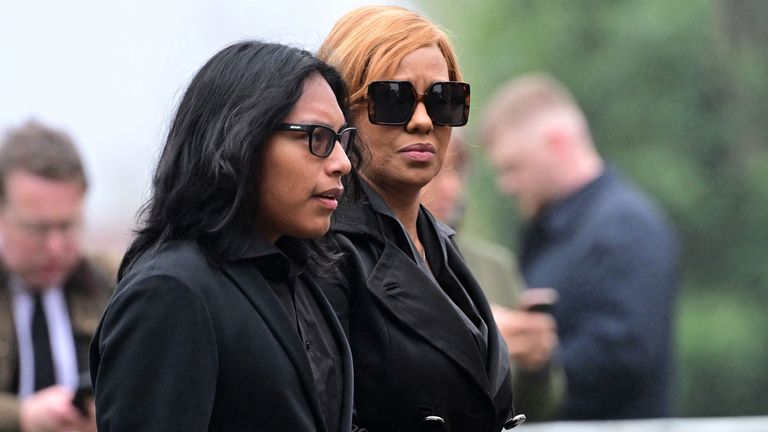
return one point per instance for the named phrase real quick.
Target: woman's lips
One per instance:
(419, 152)
(330, 197)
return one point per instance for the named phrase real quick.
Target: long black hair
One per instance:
(205, 186)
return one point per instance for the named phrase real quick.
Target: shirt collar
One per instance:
(281, 261)
(19, 287)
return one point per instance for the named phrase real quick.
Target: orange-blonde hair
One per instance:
(368, 43)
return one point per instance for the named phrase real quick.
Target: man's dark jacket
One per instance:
(610, 254)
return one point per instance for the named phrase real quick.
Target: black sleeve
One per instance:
(628, 281)
(154, 361)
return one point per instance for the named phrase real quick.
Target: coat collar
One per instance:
(369, 214)
(498, 358)
(361, 217)
(399, 286)
(412, 298)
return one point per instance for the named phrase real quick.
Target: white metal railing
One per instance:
(715, 424)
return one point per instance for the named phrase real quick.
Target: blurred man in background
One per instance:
(539, 381)
(51, 299)
(601, 243)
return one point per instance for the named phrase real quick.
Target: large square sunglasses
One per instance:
(393, 102)
(321, 138)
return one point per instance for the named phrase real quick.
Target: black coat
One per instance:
(609, 252)
(414, 355)
(188, 346)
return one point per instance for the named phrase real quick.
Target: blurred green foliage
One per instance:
(677, 97)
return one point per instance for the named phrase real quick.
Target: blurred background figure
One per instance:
(51, 298)
(600, 242)
(538, 379)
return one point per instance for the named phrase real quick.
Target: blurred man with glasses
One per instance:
(50, 297)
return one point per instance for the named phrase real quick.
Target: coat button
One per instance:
(514, 421)
(434, 423)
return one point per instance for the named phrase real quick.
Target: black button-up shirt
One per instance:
(282, 265)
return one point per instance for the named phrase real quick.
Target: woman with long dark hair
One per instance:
(216, 325)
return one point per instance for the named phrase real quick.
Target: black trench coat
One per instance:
(416, 362)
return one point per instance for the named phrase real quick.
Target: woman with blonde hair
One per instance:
(427, 353)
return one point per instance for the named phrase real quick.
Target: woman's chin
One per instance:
(313, 232)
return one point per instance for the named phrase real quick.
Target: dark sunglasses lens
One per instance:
(392, 102)
(447, 103)
(323, 140)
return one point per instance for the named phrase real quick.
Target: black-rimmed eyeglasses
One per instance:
(321, 138)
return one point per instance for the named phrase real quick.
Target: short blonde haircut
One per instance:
(368, 43)
(522, 97)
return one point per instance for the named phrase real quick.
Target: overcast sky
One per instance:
(110, 73)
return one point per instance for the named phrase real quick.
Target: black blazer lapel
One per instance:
(498, 360)
(412, 298)
(344, 353)
(256, 289)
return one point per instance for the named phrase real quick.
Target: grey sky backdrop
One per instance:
(110, 74)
